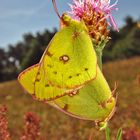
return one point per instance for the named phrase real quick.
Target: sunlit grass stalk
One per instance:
(118, 137)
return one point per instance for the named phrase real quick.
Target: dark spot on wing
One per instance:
(71, 94)
(47, 85)
(102, 104)
(86, 69)
(65, 107)
(50, 66)
(55, 72)
(75, 34)
(64, 58)
(77, 74)
(70, 77)
(37, 80)
(49, 54)
(38, 73)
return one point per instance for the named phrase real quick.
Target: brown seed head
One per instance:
(96, 24)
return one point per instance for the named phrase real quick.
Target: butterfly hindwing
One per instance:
(92, 102)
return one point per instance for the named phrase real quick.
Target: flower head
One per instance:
(31, 128)
(82, 7)
(4, 134)
(96, 14)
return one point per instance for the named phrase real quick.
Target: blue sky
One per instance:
(22, 16)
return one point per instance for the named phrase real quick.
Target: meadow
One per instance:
(54, 125)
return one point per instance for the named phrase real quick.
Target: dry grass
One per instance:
(57, 126)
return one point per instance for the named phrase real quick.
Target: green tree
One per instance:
(33, 55)
(129, 46)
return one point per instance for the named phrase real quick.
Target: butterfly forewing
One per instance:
(70, 60)
(68, 63)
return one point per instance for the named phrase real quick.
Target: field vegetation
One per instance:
(54, 125)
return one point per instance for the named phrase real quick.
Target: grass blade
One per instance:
(107, 132)
(119, 134)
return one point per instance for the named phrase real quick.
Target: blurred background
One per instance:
(26, 27)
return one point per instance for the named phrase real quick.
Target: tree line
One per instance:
(15, 58)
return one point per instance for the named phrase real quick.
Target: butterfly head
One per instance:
(66, 20)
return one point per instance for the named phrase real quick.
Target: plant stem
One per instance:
(99, 51)
(99, 59)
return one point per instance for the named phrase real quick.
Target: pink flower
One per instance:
(81, 8)
(31, 128)
(4, 133)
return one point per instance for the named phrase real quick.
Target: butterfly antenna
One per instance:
(55, 8)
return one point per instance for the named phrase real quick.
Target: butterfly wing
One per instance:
(67, 64)
(34, 82)
(27, 78)
(70, 60)
(92, 102)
